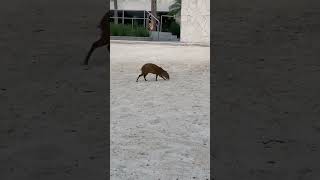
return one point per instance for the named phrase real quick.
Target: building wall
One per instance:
(162, 5)
(195, 21)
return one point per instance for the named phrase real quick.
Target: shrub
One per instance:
(174, 28)
(127, 30)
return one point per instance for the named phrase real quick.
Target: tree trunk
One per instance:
(154, 13)
(115, 3)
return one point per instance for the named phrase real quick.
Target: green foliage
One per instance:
(175, 8)
(174, 28)
(127, 30)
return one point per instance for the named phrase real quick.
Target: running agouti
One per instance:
(154, 69)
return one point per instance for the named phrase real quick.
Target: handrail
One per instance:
(132, 18)
(161, 20)
(158, 24)
(128, 18)
(152, 16)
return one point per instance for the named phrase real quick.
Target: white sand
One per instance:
(53, 108)
(160, 129)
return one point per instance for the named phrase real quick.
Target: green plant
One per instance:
(175, 8)
(128, 30)
(174, 28)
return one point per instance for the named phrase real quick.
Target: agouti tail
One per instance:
(154, 69)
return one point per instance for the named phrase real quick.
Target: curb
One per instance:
(159, 43)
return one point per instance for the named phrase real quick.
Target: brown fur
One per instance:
(154, 69)
(104, 26)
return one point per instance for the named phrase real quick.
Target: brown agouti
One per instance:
(154, 69)
(104, 39)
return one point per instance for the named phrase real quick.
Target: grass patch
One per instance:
(127, 30)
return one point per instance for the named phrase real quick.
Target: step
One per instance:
(163, 36)
(131, 38)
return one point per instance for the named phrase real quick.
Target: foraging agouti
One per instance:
(154, 69)
(104, 39)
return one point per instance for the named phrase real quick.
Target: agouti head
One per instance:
(165, 75)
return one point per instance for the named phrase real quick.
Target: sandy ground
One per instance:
(267, 71)
(160, 129)
(53, 111)
(266, 97)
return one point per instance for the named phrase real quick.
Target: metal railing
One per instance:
(145, 20)
(132, 19)
(162, 18)
(158, 23)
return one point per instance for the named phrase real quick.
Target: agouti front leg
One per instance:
(139, 77)
(145, 77)
(101, 42)
(162, 77)
(157, 77)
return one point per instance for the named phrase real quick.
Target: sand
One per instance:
(160, 129)
(53, 110)
(266, 98)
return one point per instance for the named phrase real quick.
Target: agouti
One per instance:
(154, 69)
(104, 39)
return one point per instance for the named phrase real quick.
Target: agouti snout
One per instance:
(154, 69)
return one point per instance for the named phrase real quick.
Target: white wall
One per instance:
(195, 21)
(162, 5)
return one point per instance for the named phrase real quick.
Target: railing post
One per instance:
(161, 24)
(144, 18)
(158, 33)
(132, 23)
(122, 16)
